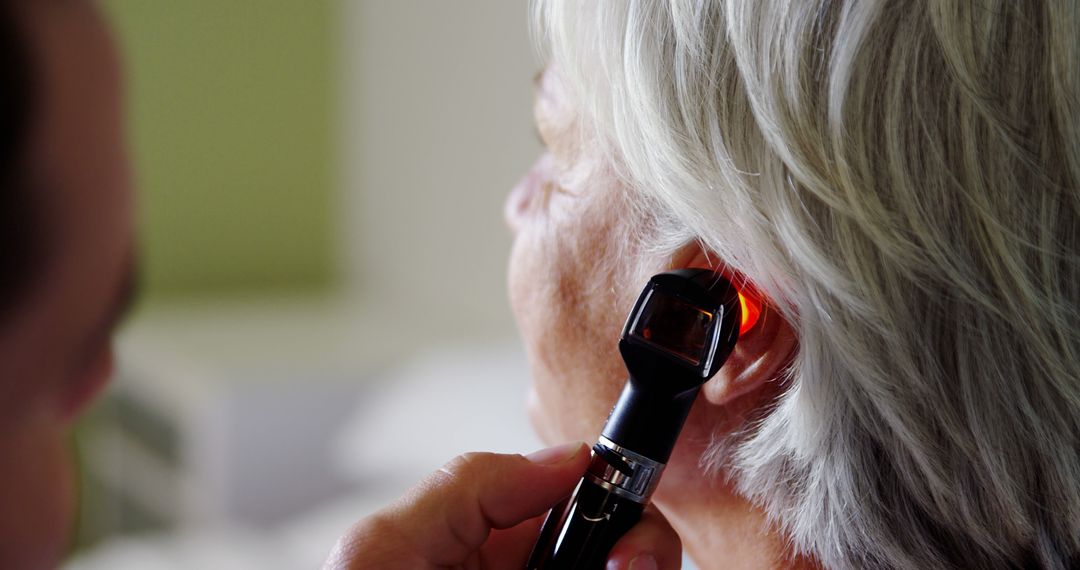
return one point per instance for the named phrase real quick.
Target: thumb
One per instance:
(448, 516)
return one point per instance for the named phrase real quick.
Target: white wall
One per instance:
(438, 129)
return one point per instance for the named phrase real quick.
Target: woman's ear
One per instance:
(762, 352)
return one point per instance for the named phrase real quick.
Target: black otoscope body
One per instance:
(681, 330)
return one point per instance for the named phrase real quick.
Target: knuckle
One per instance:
(461, 472)
(467, 464)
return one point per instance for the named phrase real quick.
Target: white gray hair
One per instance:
(902, 180)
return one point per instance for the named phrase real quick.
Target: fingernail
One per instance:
(643, 562)
(554, 455)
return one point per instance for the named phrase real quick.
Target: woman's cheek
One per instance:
(538, 306)
(562, 283)
(556, 413)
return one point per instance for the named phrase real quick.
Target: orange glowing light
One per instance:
(751, 310)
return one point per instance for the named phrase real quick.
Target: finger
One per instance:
(651, 545)
(449, 516)
(510, 548)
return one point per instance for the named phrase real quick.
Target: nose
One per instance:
(519, 202)
(515, 206)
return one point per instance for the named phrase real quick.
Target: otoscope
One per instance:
(683, 327)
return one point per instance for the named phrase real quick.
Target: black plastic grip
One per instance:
(579, 532)
(648, 423)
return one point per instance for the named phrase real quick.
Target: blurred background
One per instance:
(323, 316)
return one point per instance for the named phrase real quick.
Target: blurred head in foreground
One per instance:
(900, 185)
(65, 256)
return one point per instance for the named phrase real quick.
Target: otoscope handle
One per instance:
(581, 531)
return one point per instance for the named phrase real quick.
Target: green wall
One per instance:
(233, 108)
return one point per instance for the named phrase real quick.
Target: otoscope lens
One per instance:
(675, 326)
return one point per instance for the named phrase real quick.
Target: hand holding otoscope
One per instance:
(478, 508)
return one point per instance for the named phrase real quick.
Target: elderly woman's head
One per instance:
(900, 184)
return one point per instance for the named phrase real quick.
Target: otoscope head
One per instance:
(682, 328)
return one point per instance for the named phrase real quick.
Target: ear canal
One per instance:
(750, 309)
